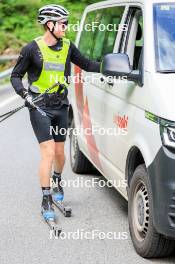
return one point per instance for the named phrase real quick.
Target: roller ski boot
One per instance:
(58, 196)
(48, 214)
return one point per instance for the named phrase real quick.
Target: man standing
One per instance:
(46, 59)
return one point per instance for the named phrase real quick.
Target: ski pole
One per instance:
(8, 114)
(48, 90)
(41, 111)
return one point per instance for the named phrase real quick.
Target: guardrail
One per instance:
(6, 73)
(4, 58)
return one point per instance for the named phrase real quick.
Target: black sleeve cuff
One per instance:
(23, 93)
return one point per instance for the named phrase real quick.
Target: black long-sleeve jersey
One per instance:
(30, 61)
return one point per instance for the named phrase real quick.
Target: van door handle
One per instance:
(111, 83)
(104, 80)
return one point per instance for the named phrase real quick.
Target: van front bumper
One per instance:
(162, 177)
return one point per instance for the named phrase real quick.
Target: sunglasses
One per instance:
(65, 23)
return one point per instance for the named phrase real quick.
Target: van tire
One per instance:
(147, 242)
(79, 163)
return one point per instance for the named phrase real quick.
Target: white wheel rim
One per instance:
(140, 211)
(74, 145)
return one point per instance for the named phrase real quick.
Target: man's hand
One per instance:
(29, 101)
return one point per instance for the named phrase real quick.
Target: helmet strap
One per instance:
(58, 39)
(52, 30)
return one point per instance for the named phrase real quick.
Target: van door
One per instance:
(119, 108)
(95, 45)
(85, 43)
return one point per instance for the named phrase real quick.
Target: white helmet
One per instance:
(52, 13)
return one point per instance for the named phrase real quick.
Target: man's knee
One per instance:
(48, 150)
(59, 150)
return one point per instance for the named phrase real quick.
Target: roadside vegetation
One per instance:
(18, 24)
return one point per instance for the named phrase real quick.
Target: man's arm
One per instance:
(81, 61)
(19, 71)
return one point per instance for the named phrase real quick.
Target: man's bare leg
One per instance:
(47, 150)
(59, 162)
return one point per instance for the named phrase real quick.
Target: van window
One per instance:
(95, 44)
(134, 40)
(104, 41)
(138, 43)
(86, 43)
(164, 30)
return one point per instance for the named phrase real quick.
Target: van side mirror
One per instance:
(118, 65)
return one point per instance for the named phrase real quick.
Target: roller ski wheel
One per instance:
(57, 197)
(65, 210)
(51, 222)
(48, 214)
(58, 201)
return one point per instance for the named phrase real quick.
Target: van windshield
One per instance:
(164, 27)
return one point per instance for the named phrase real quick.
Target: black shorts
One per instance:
(53, 126)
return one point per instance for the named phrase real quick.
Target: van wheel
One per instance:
(79, 162)
(147, 242)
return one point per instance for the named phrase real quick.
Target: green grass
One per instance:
(18, 24)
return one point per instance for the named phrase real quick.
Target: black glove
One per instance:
(29, 101)
(64, 93)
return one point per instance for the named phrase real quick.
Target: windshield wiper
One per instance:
(166, 71)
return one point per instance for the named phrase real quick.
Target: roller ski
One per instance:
(48, 214)
(58, 196)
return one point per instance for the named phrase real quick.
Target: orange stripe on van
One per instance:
(79, 91)
(91, 144)
(84, 115)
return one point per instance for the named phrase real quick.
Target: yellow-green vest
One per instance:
(53, 66)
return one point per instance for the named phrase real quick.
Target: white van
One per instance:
(139, 101)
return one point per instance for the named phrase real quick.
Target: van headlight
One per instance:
(168, 136)
(167, 129)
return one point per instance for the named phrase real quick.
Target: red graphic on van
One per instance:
(85, 119)
(91, 144)
(121, 121)
(79, 92)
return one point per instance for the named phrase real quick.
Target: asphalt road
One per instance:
(24, 237)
